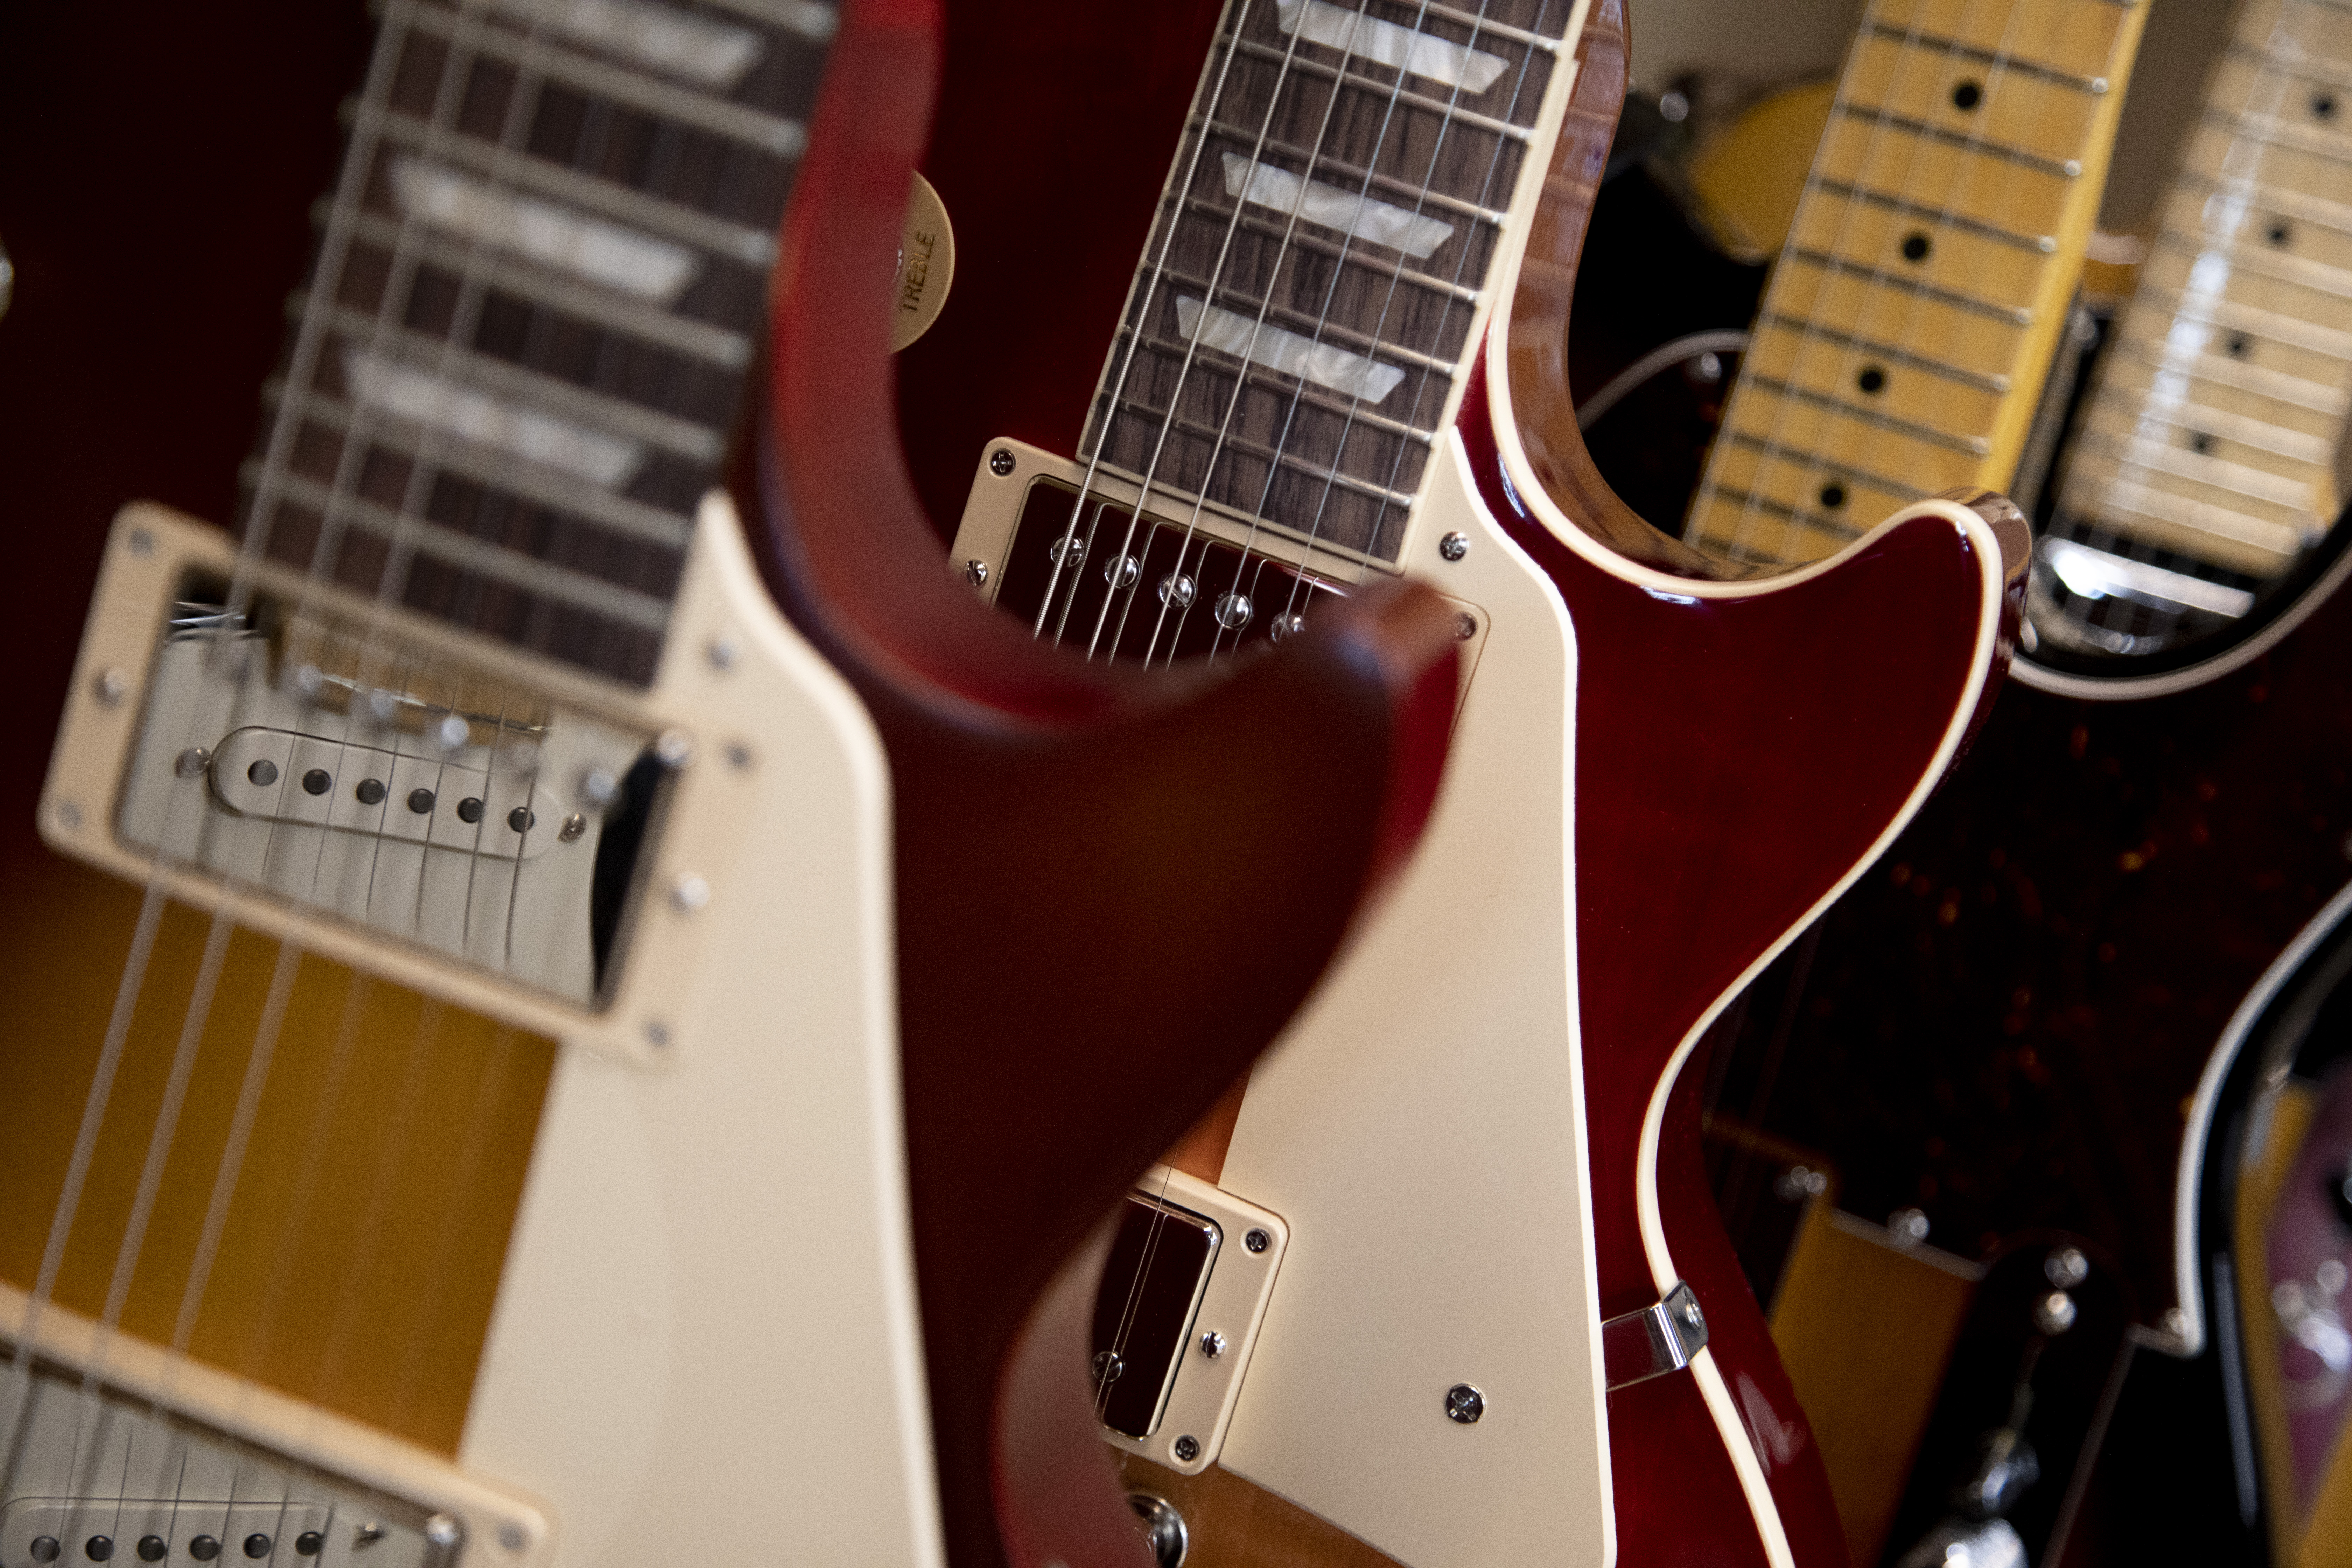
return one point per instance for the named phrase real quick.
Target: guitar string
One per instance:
(1529, 52)
(1140, 324)
(194, 1026)
(1471, 347)
(1061, 550)
(1784, 406)
(1241, 378)
(1996, 74)
(1272, 278)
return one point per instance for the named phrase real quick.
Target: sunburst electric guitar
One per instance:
(1255, 306)
(551, 1059)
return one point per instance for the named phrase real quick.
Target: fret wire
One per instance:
(634, 520)
(441, 542)
(514, 274)
(1976, 145)
(2039, 244)
(2276, 387)
(733, 241)
(1977, 446)
(2197, 419)
(471, 367)
(1805, 515)
(2272, 132)
(1888, 352)
(1492, 28)
(1347, 78)
(2120, 495)
(2062, 75)
(2274, 325)
(1350, 336)
(2307, 67)
(1290, 547)
(2140, 452)
(768, 133)
(1328, 403)
(1870, 476)
(1268, 229)
(805, 18)
(2279, 199)
(1389, 183)
(2014, 315)
(2293, 270)
(1266, 453)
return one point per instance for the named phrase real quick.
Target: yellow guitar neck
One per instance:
(1914, 313)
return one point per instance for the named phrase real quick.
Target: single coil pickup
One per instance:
(278, 775)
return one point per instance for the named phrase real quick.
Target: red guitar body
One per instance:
(1744, 750)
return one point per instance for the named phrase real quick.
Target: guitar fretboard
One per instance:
(2208, 461)
(518, 358)
(1302, 315)
(1912, 316)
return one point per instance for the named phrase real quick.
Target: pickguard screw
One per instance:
(142, 541)
(1257, 1241)
(738, 755)
(1212, 1344)
(1001, 462)
(2054, 1314)
(723, 654)
(192, 763)
(673, 749)
(112, 684)
(976, 574)
(441, 1531)
(657, 1034)
(69, 816)
(1186, 1448)
(689, 892)
(573, 827)
(511, 1536)
(1453, 547)
(1464, 1403)
(1466, 626)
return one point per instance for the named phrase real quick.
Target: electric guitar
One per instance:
(484, 734)
(1441, 1285)
(2002, 1039)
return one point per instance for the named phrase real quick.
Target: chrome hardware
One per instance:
(1233, 611)
(111, 685)
(1176, 590)
(1909, 1225)
(1292, 621)
(1466, 626)
(573, 827)
(1001, 463)
(1464, 1403)
(1123, 572)
(1109, 1365)
(1212, 1344)
(674, 749)
(442, 1530)
(192, 763)
(1257, 1241)
(2066, 1267)
(1068, 544)
(1453, 547)
(2054, 1314)
(975, 571)
(1188, 1447)
(1659, 1338)
(1163, 1529)
(368, 1534)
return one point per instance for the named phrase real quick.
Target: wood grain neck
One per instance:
(1911, 320)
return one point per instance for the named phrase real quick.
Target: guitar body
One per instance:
(1488, 1110)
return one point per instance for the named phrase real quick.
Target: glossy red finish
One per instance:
(1075, 845)
(1737, 758)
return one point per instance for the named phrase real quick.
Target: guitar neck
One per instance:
(1911, 320)
(520, 351)
(2212, 438)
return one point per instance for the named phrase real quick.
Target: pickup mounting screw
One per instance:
(442, 1530)
(689, 892)
(1466, 626)
(975, 571)
(1107, 1365)
(1212, 1344)
(673, 749)
(657, 1034)
(192, 763)
(1453, 547)
(573, 827)
(723, 652)
(367, 1534)
(69, 816)
(1464, 1403)
(111, 685)
(1001, 462)
(1186, 1448)
(1257, 1241)
(2054, 1314)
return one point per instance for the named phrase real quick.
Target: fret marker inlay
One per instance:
(709, 53)
(1384, 43)
(1347, 211)
(587, 247)
(1287, 352)
(407, 391)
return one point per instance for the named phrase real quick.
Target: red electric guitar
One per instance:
(1441, 1284)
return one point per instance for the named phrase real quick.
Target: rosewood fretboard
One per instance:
(1302, 315)
(525, 334)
